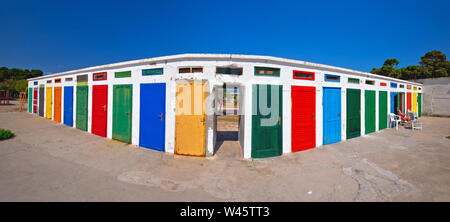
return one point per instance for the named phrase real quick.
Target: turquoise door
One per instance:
(153, 116)
(331, 115)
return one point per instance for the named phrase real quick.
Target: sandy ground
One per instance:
(47, 161)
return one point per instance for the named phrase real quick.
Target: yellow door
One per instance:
(190, 118)
(48, 102)
(415, 102)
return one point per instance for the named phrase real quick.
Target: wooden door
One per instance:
(57, 105)
(41, 101)
(122, 112)
(48, 102)
(68, 105)
(331, 115)
(382, 110)
(303, 129)
(353, 113)
(369, 111)
(408, 102)
(190, 118)
(99, 109)
(153, 116)
(267, 129)
(82, 107)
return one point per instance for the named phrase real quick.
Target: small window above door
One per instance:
(267, 71)
(370, 82)
(99, 76)
(229, 70)
(190, 70)
(353, 80)
(332, 78)
(297, 74)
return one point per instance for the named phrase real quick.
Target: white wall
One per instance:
(171, 76)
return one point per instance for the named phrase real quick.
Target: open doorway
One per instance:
(229, 121)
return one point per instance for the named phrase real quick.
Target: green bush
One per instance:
(5, 134)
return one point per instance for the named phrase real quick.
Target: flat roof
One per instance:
(222, 56)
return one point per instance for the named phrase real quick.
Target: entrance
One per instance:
(370, 111)
(190, 118)
(331, 115)
(99, 109)
(48, 102)
(267, 131)
(152, 129)
(58, 94)
(122, 111)
(353, 113)
(303, 117)
(382, 110)
(229, 121)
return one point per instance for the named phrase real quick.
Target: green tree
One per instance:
(15, 80)
(414, 72)
(389, 68)
(435, 62)
(391, 62)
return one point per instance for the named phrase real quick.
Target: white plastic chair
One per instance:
(394, 119)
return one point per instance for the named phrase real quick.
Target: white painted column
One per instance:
(363, 111)
(135, 113)
(74, 113)
(62, 100)
(319, 115)
(344, 113)
(89, 111)
(377, 106)
(248, 121)
(287, 120)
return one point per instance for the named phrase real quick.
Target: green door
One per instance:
(419, 102)
(382, 111)
(370, 111)
(267, 130)
(82, 107)
(353, 113)
(30, 99)
(122, 107)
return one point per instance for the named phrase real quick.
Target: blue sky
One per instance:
(57, 36)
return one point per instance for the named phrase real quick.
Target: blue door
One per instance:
(153, 116)
(393, 102)
(68, 105)
(331, 115)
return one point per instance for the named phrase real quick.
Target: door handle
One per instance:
(279, 121)
(104, 107)
(161, 116)
(313, 116)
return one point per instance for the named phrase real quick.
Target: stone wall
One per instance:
(436, 96)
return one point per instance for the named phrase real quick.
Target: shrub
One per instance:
(5, 134)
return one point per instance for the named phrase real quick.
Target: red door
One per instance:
(35, 95)
(408, 101)
(99, 109)
(303, 117)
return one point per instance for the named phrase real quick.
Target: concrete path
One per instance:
(47, 161)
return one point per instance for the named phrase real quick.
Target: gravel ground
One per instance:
(47, 161)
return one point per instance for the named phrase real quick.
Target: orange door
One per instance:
(190, 118)
(57, 114)
(408, 102)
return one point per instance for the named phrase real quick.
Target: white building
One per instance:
(157, 102)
